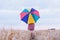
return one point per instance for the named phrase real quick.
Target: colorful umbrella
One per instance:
(30, 17)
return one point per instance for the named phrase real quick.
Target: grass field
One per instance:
(26, 35)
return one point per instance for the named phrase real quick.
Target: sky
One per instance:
(49, 13)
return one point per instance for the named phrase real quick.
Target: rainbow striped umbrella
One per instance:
(30, 17)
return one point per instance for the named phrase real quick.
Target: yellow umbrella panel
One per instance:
(30, 19)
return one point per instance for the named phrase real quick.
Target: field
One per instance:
(26, 35)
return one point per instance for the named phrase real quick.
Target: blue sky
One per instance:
(49, 13)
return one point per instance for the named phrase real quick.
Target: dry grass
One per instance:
(26, 35)
(14, 35)
(47, 35)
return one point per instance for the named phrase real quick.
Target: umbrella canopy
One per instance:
(29, 16)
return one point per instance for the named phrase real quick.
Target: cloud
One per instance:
(49, 11)
(54, 4)
(18, 4)
(10, 15)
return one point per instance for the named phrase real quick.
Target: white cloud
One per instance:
(54, 4)
(49, 11)
(47, 16)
